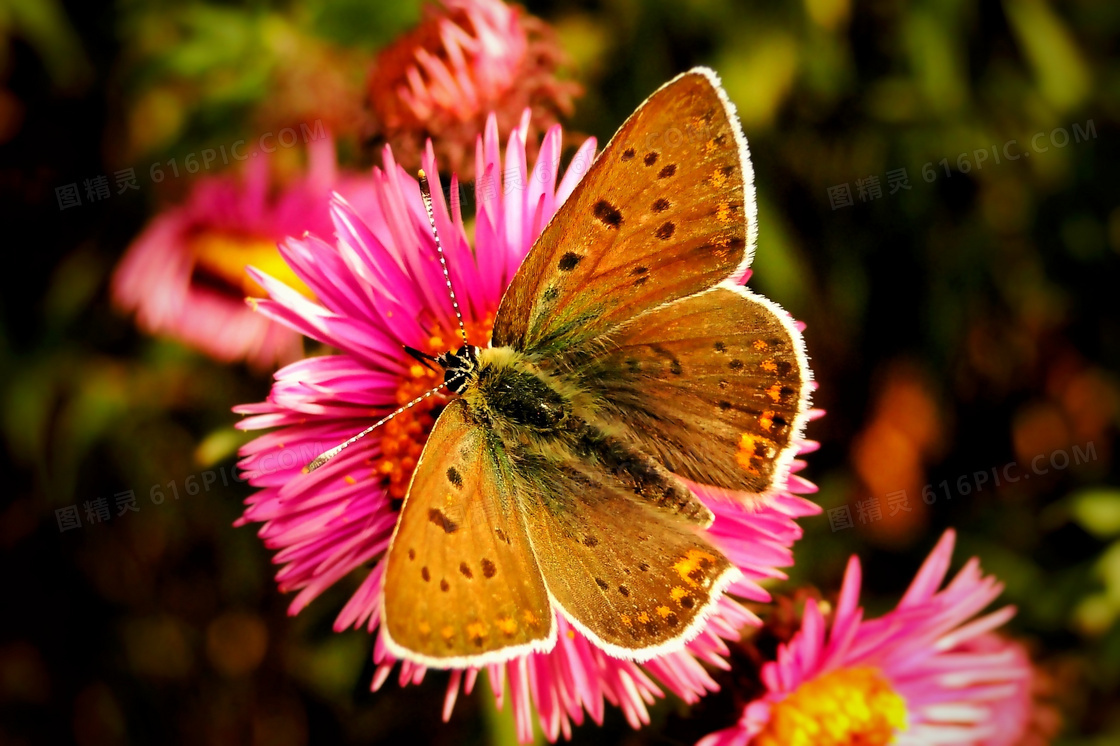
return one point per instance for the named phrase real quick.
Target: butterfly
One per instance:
(626, 364)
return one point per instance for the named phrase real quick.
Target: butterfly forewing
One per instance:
(637, 581)
(461, 583)
(663, 213)
(714, 385)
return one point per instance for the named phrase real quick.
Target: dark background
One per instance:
(962, 325)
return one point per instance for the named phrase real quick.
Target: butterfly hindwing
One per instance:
(667, 210)
(461, 584)
(635, 579)
(715, 386)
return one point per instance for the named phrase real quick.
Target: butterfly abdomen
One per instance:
(636, 471)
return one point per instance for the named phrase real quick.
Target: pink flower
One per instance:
(380, 287)
(927, 673)
(466, 60)
(184, 275)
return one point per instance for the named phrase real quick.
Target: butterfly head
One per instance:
(459, 367)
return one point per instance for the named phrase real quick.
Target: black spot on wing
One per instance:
(651, 158)
(436, 516)
(569, 261)
(454, 477)
(668, 171)
(466, 570)
(488, 568)
(662, 205)
(627, 154)
(607, 214)
(665, 232)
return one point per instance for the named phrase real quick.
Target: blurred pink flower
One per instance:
(184, 275)
(467, 60)
(925, 674)
(380, 287)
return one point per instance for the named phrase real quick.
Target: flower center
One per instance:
(220, 259)
(404, 436)
(849, 707)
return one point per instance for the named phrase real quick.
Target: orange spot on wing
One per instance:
(447, 633)
(694, 560)
(476, 630)
(424, 628)
(508, 625)
(723, 212)
(626, 620)
(745, 455)
(758, 344)
(643, 618)
(530, 618)
(766, 419)
(775, 392)
(768, 365)
(664, 611)
(678, 593)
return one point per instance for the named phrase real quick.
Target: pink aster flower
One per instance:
(184, 275)
(928, 673)
(379, 287)
(466, 60)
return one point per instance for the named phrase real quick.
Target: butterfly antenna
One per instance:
(426, 193)
(326, 456)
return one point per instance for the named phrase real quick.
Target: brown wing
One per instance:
(638, 581)
(716, 386)
(461, 585)
(667, 210)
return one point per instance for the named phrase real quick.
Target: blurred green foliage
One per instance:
(956, 327)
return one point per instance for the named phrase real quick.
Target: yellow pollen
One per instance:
(571, 634)
(768, 365)
(849, 707)
(350, 480)
(403, 437)
(508, 625)
(223, 255)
